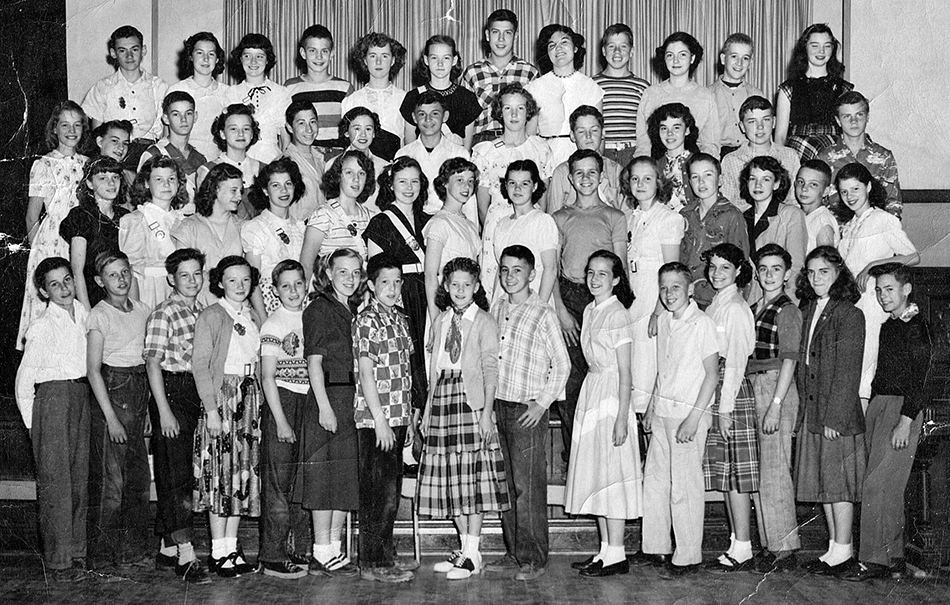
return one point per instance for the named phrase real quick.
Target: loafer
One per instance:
(586, 563)
(386, 575)
(505, 564)
(642, 559)
(165, 561)
(602, 571)
(529, 572)
(192, 572)
(286, 570)
(862, 572)
(834, 570)
(672, 571)
(717, 566)
(768, 562)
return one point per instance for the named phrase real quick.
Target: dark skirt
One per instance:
(830, 471)
(415, 305)
(733, 465)
(329, 462)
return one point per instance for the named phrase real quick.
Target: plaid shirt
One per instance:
(383, 337)
(532, 358)
(485, 81)
(170, 333)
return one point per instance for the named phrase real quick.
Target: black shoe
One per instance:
(672, 571)
(286, 570)
(816, 566)
(834, 570)
(717, 566)
(863, 572)
(301, 560)
(587, 563)
(602, 571)
(410, 470)
(898, 568)
(642, 559)
(192, 572)
(216, 566)
(240, 562)
(165, 561)
(767, 562)
(316, 568)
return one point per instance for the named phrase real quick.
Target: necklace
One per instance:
(564, 77)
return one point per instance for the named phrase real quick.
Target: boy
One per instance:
(587, 130)
(622, 92)
(588, 225)
(821, 226)
(894, 417)
(316, 85)
(756, 122)
(771, 369)
(499, 67)
(119, 472)
(533, 366)
(731, 89)
(285, 384)
(131, 93)
(381, 352)
(854, 145)
(178, 114)
(687, 374)
(432, 148)
(53, 398)
(710, 220)
(174, 410)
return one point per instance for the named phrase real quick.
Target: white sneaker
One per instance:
(449, 564)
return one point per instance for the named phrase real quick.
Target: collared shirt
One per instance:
(272, 239)
(729, 99)
(734, 162)
(55, 350)
(430, 160)
(282, 338)
(170, 333)
(311, 170)
(444, 360)
(782, 224)
(701, 103)
(486, 80)
(875, 235)
(382, 336)
(735, 332)
(532, 358)
(722, 223)
(818, 220)
(210, 101)
(876, 158)
(140, 102)
(682, 346)
(245, 345)
(339, 229)
(561, 193)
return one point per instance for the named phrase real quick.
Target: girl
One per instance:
(805, 104)
(273, 235)
(214, 228)
(441, 65)
(448, 234)
(527, 225)
(462, 474)
(145, 235)
(398, 231)
(359, 126)
(302, 126)
(731, 461)
(93, 226)
(763, 184)
(676, 61)
(234, 131)
(655, 236)
(831, 450)
(201, 62)
(604, 476)
(672, 131)
(53, 180)
(561, 88)
(227, 439)
(251, 62)
(872, 237)
(340, 223)
(327, 483)
(112, 140)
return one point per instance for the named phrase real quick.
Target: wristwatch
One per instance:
(777, 401)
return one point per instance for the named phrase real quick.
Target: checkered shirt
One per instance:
(170, 334)
(383, 336)
(485, 81)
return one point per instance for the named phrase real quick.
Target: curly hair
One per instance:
(659, 56)
(258, 192)
(664, 188)
(622, 290)
(186, 67)
(798, 65)
(420, 72)
(331, 178)
(515, 88)
(216, 274)
(735, 256)
(140, 191)
(547, 32)
(450, 168)
(770, 164)
(100, 165)
(324, 264)
(357, 58)
(346, 121)
(665, 112)
(46, 266)
(208, 191)
(387, 196)
(235, 109)
(844, 288)
(259, 41)
(52, 140)
(524, 166)
(443, 299)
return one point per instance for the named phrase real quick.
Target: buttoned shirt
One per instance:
(140, 102)
(170, 333)
(682, 346)
(430, 160)
(734, 162)
(486, 80)
(729, 99)
(876, 158)
(735, 332)
(382, 336)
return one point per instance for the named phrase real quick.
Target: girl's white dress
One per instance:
(145, 235)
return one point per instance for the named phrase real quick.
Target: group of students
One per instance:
(295, 284)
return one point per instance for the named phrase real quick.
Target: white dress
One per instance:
(602, 479)
(270, 101)
(145, 235)
(272, 239)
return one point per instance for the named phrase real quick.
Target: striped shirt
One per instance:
(339, 229)
(170, 333)
(485, 80)
(326, 98)
(621, 102)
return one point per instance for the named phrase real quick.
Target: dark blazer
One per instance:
(828, 383)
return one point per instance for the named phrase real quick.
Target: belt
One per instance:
(139, 369)
(336, 379)
(413, 268)
(557, 136)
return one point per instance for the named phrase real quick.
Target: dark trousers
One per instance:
(173, 459)
(281, 518)
(575, 297)
(380, 486)
(60, 437)
(525, 524)
(119, 476)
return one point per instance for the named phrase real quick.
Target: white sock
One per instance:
(839, 554)
(337, 546)
(470, 549)
(824, 557)
(219, 548)
(742, 551)
(614, 554)
(168, 550)
(463, 542)
(729, 551)
(186, 553)
(323, 552)
(602, 552)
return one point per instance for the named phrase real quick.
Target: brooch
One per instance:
(283, 236)
(352, 229)
(240, 329)
(122, 102)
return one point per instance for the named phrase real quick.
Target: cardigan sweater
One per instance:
(479, 359)
(212, 337)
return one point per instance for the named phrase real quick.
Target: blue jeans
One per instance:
(380, 486)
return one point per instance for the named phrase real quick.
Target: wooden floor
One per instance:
(22, 582)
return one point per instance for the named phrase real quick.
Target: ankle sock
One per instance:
(219, 549)
(602, 552)
(839, 554)
(470, 549)
(742, 551)
(613, 554)
(186, 553)
(323, 552)
(729, 551)
(337, 546)
(827, 554)
(168, 550)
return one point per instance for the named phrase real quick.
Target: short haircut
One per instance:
(251, 41)
(541, 46)
(284, 266)
(186, 67)
(357, 58)
(52, 140)
(428, 97)
(818, 166)
(346, 120)
(331, 178)
(677, 268)
(765, 162)
(107, 257)
(140, 190)
(126, 31)
(666, 112)
(617, 29)
(514, 88)
(450, 168)
(583, 154)
(772, 249)
(901, 272)
(664, 188)
(208, 191)
(217, 274)
(752, 103)
(44, 267)
(284, 165)
(379, 263)
(176, 258)
(497, 16)
(314, 31)
(736, 257)
(703, 157)
(586, 110)
(659, 57)
(177, 96)
(519, 252)
(852, 97)
(531, 168)
(235, 109)
(734, 38)
(296, 107)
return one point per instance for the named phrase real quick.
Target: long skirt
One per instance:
(830, 471)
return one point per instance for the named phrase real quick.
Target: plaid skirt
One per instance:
(733, 465)
(227, 467)
(459, 474)
(808, 140)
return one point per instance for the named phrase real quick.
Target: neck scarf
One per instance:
(453, 342)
